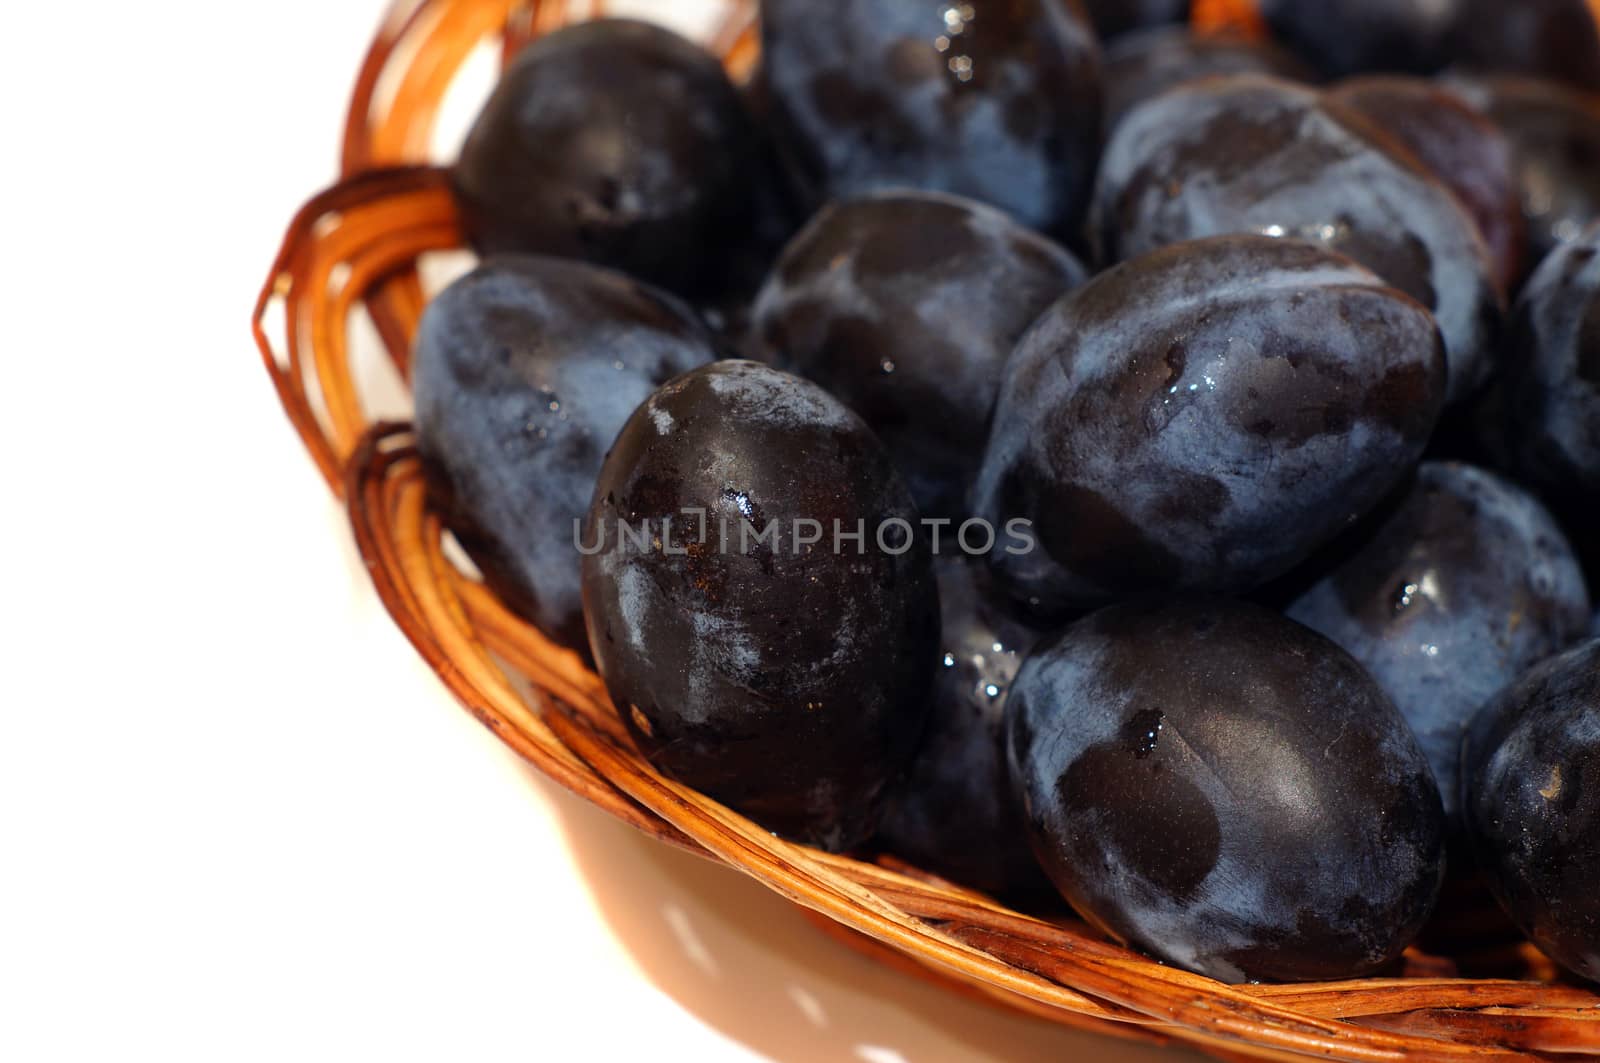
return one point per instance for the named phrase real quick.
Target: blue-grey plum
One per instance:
(620, 143)
(1227, 790)
(766, 661)
(1555, 39)
(955, 813)
(997, 100)
(1205, 418)
(1532, 801)
(1257, 154)
(524, 372)
(906, 305)
(1112, 18)
(1346, 37)
(1552, 384)
(1460, 147)
(1555, 136)
(1148, 63)
(1465, 586)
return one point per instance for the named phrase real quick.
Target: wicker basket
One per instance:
(358, 244)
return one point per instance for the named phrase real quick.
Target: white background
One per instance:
(239, 819)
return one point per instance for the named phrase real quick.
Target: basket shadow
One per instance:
(747, 963)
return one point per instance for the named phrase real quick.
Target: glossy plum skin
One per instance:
(784, 679)
(1204, 418)
(620, 143)
(1460, 147)
(1556, 39)
(1227, 790)
(1145, 64)
(1346, 37)
(1113, 18)
(906, 306)
(1465, 586)
(1552, 382)
(1555, 137)
(524, 372)
(1532, 800)
(955, 813)
(1257, 154)
(1003, 106)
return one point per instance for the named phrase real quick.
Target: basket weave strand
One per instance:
(357, 245)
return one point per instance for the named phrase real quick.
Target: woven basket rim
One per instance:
(357, 244)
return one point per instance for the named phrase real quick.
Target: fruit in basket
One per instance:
(1532, 802)
(1112, 18)
(1226, 790)
(1555, 39)
(524, 372)
(906, 306)
(1463, 588)
(996, 100)
(955, 813)
(1552, 385)
(1555, 136)
(752, 654)
(1204, 418)
(1146, 64)
(1256, 154)
(620, 143)
(1460, 147)
(1345, 37)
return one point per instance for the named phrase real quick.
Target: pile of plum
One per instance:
(1069, 453)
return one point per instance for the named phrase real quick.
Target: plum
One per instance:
(1256, 154)
(906, 305)
(1532, 801)
(1112, 18)
(1463, 588)
(1346, 37)
(1460, 147)
(753, 650)
(524, 372)
(619, 143)
(1204, 418)
(996, 100)
(1226, 790)
(1148, 63)
(1555, 39)
(1552, 384)
(956, 813)
(1555, 139)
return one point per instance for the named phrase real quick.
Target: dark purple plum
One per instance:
(1345, 37)
(906, 305)
(620, 143)
(1555, 39)
(1552, 383)
(1532, 801)
(1468, 584)
(955, 813)
(1555, 136)
(996, 100)
(524, 372)
(1148, 63)
(1460, 147)
(1204, 418)
(1226, 790)
(753, 656)
(1113, 18)
(1257, 154)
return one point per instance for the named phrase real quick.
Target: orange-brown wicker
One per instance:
(358, 245)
